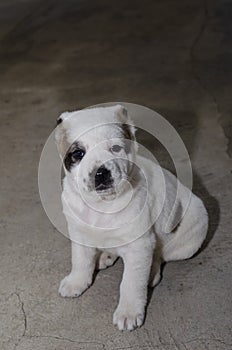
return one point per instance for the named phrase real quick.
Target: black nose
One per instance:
(103, 178)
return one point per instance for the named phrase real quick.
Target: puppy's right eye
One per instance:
(116, 148)
(78, 154)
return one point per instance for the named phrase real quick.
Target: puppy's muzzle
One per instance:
(103, 179)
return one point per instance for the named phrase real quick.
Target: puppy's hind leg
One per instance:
(189, 235)
(105, 260)
(155, 276)
(157, 261)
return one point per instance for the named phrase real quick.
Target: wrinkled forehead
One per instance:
(91, 126)
(91, 122)
(101, 135)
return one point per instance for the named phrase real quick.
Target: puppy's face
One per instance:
(100, 149)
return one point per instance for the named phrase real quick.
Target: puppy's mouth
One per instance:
(104, 187)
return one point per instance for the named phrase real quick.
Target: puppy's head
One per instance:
(98, 148)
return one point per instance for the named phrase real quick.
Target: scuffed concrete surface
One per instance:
(172, 56)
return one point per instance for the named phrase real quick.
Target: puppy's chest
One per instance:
(114, 219)
(95, 216)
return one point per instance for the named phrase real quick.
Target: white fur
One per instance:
(142, 257)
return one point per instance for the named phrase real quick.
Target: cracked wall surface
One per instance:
(172, 56)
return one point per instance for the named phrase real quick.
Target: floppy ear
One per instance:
(128, 127)
(60, 134)
(62, 117)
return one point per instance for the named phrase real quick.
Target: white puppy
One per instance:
(120, 204)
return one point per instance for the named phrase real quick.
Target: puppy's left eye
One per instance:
(116, 148)
(78, 154)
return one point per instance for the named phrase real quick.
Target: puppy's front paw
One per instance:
(71, 286)
(128, 318)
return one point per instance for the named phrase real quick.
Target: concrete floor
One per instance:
(172, 56)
